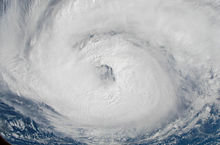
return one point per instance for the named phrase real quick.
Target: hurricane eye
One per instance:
(106, 73)
(110, 71)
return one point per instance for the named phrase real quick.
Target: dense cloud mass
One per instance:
(113, 70)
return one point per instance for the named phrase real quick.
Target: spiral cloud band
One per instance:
(115, 69)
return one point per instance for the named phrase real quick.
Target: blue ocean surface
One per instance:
(19, 129)
(117, 72)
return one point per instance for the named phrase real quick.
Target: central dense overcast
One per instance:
(115, 69)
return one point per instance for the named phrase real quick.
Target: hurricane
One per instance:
(110, 72)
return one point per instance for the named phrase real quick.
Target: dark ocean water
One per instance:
(42, 44)
(19, 129)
